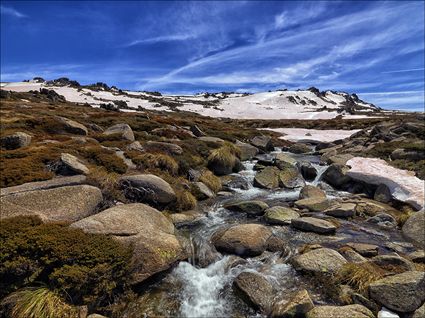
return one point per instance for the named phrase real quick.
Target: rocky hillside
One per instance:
(281, 104)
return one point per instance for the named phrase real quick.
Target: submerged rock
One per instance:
(403, 292)
(243, 239)
(156, 246)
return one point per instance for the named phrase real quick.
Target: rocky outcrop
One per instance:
(402, 185)
(243, 239)
(299, 304)
(318, 261)
(280, 215)
(310, 191)
(268, 178)
(414, 228)
(403, 292)
(148, 188)
(70, 164)
(310, 224)
(263, 143)
(256, 289)
(72, 127)
(251, 208)
(15, 141)
(123, 130)
(63, 204)
(349, 311)
(152, 235)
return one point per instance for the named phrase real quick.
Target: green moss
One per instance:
(87, 268)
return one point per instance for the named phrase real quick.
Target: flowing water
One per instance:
(202, 286)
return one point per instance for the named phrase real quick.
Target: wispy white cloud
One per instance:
(12, 12)
(405, 70)
(162, 38)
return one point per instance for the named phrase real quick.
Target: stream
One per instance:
(202, 286)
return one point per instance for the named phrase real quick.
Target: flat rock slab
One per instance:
(367, 250)
(253, 207)
(310, 224)
(402, 184)
(316, 204)
(64, 204)
(349, 311)
(321, 260)
(280, 215)
(44, 185)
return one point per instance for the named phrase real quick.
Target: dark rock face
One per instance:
(197, 131)
(15, 141)
(382, 194)
(307, 170)
(263, 143)
(336, 175)
(414, 228)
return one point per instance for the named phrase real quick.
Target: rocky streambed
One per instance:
(301, 249)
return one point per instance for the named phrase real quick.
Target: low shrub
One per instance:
(85, 268)
(222, 156)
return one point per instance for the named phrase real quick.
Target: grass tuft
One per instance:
(185, 201)
(210, 180)
(164, 162)
(359, 276)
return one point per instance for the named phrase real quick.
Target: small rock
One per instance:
(310, 191)
(299, 304)
(310, 224)
(185, 218)
(352, 256)
(299, 148)
(15, 141)
(247, 151)
(414, 228)
(135, 146)
(280, 215)
(403, 292)
(321, 260)
(315, 204)
(343, 210)
(308, 171)
(393, 260)
(383, 219)
(366, 250)
(170, 148)
(256, 289)
(124, 130)
(417, 256)
(252, 208)
(382, 194)
(201, 191)
(283, 159)
(72, 127)
(73, 165)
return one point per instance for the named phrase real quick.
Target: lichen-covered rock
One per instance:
(71, 126)
(403, 292)
(299, 304)
(72, 165)
(268, 178)
(124, 130)
(310, 224)
(290, 178)
(336, 175)
(252, 207)
(247, 151)
(280, 215)
(256, 289)
(316, 204)
(349, 311)
(201, 191)
(342, 210)
(156, 247)
(310, 191)
(262, 142)
(414, 228)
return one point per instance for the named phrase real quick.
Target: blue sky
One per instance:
(375, 49)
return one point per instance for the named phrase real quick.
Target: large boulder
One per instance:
(123, 130)
(15, 141)
(414, 228)
(349, 311)
(280, 215)
(156, 247)
(44, 185)
(171, 149)
(310, 191)
(263, 143)
(72, 127)
(321, 260)
(247, 151)
(310, 224)
(268, 178)
(243, 239)
(403, 292)
(336, 175)
(70, 164)
(148, 188)
(316, 204)
(256, 289)
(251, 208)
(290, 178)
(299, 304)
(63, 204)
(402, 184)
